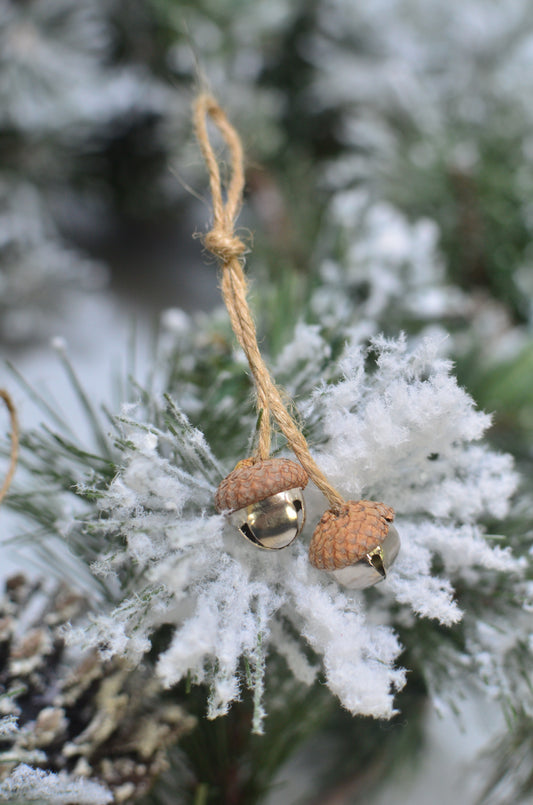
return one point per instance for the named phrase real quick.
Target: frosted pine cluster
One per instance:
(383, 264)
(389, 423)
(37, 41)
(429, 65)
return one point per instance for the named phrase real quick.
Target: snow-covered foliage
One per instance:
(8, 726)
(430, 113)
(390, 268)
(26, 784)
(428, 64)
(389, 423)
(237, 45)
(36, 267)
(64, 98)
(37, 41)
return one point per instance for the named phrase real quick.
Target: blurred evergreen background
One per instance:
(389, 142)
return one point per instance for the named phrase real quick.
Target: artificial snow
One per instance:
(26, 784)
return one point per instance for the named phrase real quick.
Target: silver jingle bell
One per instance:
(272, 523)
(373, 567)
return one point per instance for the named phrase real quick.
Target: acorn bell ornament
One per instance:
(263, 496)
(357, 544)
(264, 500)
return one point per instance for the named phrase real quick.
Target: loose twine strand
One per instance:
(229, 249)
(14, 443)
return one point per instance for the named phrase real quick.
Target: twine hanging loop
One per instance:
(222, 241)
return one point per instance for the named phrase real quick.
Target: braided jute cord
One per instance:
(229, 249)
(14, 443)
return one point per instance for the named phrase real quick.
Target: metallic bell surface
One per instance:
(272, 523)
(373, 567)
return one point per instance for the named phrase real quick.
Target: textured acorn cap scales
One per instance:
(343, 538)
(252, 481)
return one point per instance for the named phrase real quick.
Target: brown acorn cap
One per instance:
(252, 481)
(341, 539)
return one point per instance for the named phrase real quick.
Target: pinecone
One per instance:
(94, 719)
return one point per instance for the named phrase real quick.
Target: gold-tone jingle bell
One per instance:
(357, 544)
(264, 500)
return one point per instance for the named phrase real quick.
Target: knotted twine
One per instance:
(14, 443)
(229, 249)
